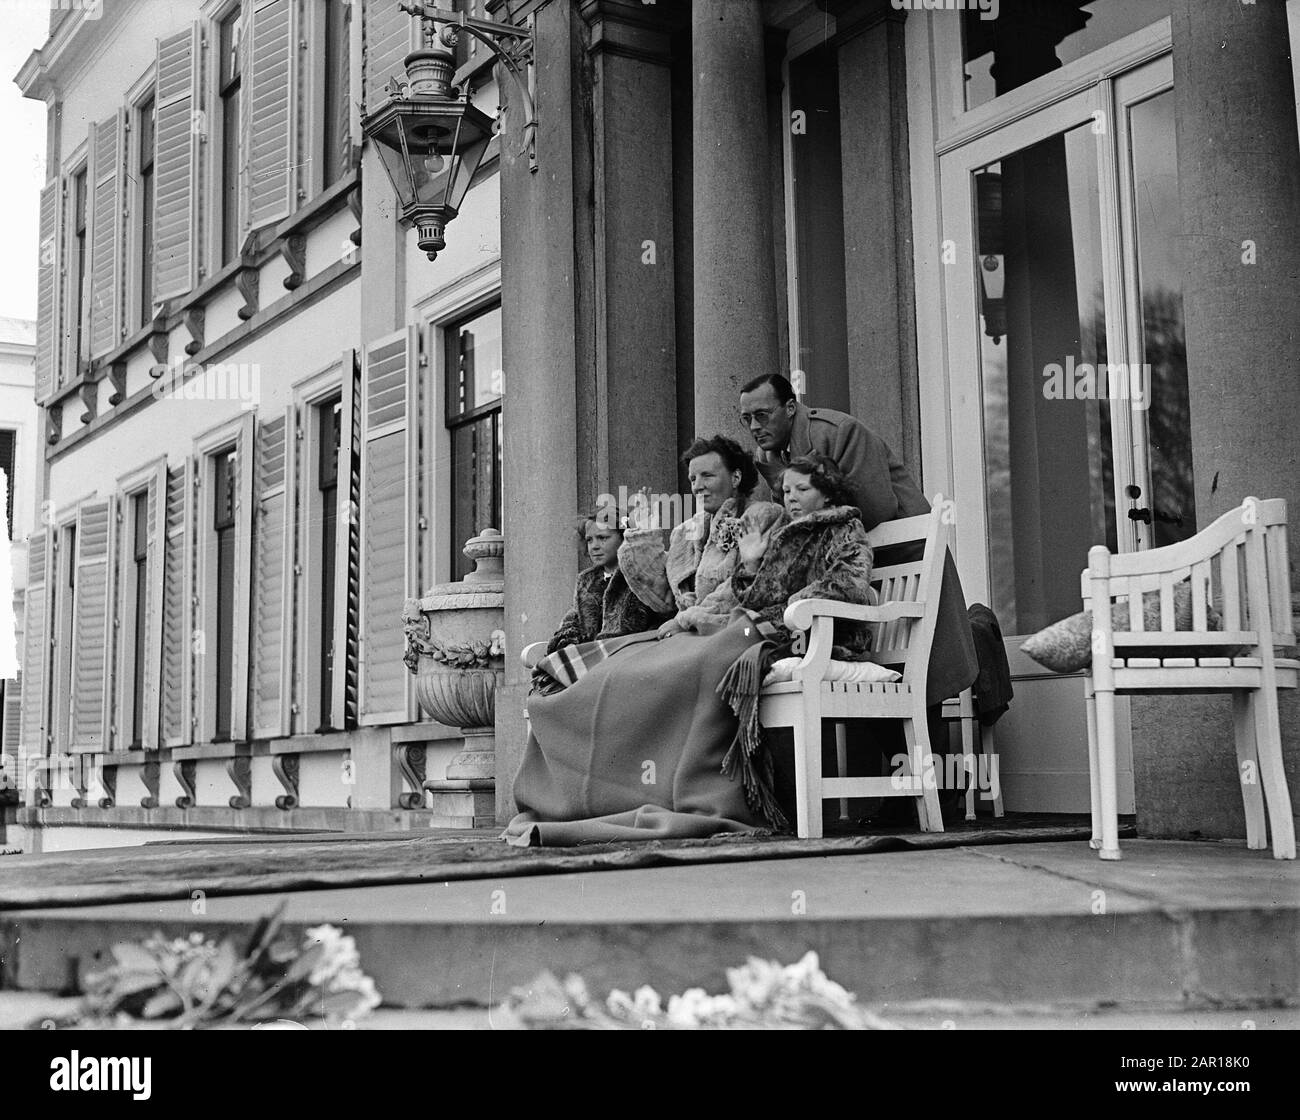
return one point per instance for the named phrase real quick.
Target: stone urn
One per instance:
(455, 641)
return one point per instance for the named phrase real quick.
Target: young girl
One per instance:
(821, 553)
(603, 604)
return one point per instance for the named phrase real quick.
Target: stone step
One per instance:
(1175, 925)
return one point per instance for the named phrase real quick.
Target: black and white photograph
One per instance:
(651, 515)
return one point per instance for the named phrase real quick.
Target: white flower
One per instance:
(647, 1002)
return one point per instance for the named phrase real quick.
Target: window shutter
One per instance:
(388, 36)
(11, 739)
(176, 153)
(271, 95)
(244, 478)
(175, 623)
(69, 302)
(106, 233)
(48, 333)
(388, 530)
(156, 502)
(36, 652)
(272, 593)
(90, 627)
(347, 571)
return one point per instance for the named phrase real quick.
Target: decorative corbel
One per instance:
(354, 208)
(293, 247)
(117, 378)
(149, 774)
(247, 281)
(89, 393)
(158, 340)
(77, 769)
(194, 321)
(184, 772)
(53, 424)
(108, 780)
(411, 762)
(285, 769)
(240, 770)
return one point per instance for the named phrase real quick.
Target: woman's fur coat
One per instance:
(692, 578)
(823, 555)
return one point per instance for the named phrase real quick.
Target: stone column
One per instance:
(539, 415)
(631, 413)
(1239, 186)
(879, 282)
(735, 292)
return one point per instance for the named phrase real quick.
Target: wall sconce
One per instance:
(430, 138)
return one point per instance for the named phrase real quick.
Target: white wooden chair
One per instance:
(961, 709)
(902, 626)
(1239, 565)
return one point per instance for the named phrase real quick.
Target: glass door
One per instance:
(1069, 397)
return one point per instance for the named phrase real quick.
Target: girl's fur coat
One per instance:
(602, 608)
(823, 555)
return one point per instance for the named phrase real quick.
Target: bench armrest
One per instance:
(532, 653)
(799, 616)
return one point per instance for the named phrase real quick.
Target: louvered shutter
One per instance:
(388, 532)
(48, 334)
(271, 95)
(11, 736)
(240, 677)
(347, 571)
(36, 651)
(90, 626)
(272, 594)
(156, 498)
(72, 305)
(389, 35)
(176, 152)
(174, 683)
(106, 146)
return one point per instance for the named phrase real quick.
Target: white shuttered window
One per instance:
(36, 651)
(106, 233)
(388, 515)
(272, 571)
(176, 156)
(91, 626)
(270, 88)
(48, 350)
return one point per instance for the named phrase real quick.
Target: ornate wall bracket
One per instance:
(293, 247)
(248, 281)
(285, 769)
(53, 424)
(79, 772)
(117, 378)
(411, 758)
(158, 340)
(150, 773)
(240, 771)
(108, 781)
(89, 393)
(195, 318)
(354, 207)
(184, 772)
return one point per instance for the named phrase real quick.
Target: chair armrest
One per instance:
(532, 653)
(799, 616)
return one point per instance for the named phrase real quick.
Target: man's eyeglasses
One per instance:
(763, 415)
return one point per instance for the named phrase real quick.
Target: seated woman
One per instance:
(691, 580)
(636, 748)
(603, 604)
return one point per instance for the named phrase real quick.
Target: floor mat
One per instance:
(254, 865)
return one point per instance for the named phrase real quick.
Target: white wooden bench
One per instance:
(1239, 566)
(902, 627)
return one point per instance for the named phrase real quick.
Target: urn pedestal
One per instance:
(454, 646)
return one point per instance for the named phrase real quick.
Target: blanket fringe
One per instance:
(748, 755)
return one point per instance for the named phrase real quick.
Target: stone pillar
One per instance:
(632, 412)
(1239, 186)
(539, 414)
(879, 281)
(735, 288)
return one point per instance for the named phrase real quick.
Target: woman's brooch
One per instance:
(726, 532)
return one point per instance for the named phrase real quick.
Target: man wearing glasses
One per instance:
(883, 489)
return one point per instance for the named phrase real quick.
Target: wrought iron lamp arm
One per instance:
(490, 33)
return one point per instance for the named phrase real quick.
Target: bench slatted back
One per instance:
(906, 642)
